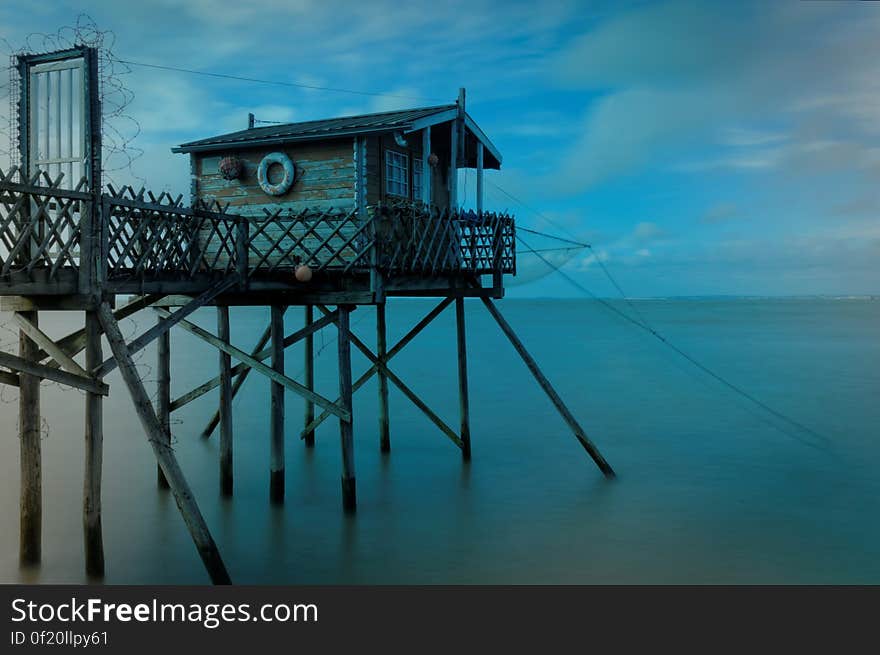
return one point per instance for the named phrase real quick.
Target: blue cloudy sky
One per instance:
(702, 148)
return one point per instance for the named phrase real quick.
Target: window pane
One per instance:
(417, 178)
(396, 173)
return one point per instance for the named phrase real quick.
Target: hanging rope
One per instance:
(818, 441)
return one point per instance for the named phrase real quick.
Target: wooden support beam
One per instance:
(9, 378)
(544, 383)
(409, 393)
(93, 537)
(30, 367)
(75, 342)
(463, 401)
(242, 369)
(276, 418)
(309, 355)
(479, 177)
(409, 336)
(173, 319)
(183, 495)
(346, 428)
(261, 368)
(426, 166)
(240, 372)
(223, 332)
(31, 499)
(381, 347)
(45, 342)
(452, 181)
(163, 402)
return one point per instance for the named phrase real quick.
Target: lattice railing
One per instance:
(322, 239)
(138, 235)
(40, 223)
(154, 236)
(413, 238)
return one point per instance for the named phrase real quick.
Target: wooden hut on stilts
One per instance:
(325, 215)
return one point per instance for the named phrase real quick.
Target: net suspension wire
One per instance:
(796, 430)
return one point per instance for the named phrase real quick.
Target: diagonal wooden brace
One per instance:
(75, 342)
(409, 393)
(544, 383)
(400, 345)
(56, 375)
(242, 369)
(260, 367)
(40, 338)
(183, 495)
(173, 319)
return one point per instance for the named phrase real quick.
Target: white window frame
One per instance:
(48, 150)
(397, 185)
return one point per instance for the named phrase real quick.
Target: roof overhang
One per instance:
(276, 140)
(438, 118)
(451, 115)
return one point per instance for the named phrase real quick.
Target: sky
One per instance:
(701, 148)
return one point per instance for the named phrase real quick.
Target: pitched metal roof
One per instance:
(344, 126)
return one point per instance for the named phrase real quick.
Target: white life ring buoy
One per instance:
(263, 174)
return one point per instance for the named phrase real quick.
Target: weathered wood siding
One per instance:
(325, 180)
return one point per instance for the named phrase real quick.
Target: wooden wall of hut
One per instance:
(324, 178)
(324, 182)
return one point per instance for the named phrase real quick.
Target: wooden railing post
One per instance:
(89, 235)
(377, 282)
(497, 272)
(241, 251)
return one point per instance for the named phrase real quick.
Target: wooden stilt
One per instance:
(346, 432)
(464, 407)
(94, 447)
(31, 509)
(404, 389)
(183, 495)
(163, 402)
(239, 382)
(261, 368)
(381, 353)
(400, 345)
(276, 428)
(544, 383)
(226, 476)
(309, 435)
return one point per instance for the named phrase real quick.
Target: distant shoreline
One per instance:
(705, 298)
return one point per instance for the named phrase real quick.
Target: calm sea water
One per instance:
(708, 489)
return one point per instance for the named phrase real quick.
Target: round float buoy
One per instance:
(286, 182)
(230, 167)
(303, 273)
